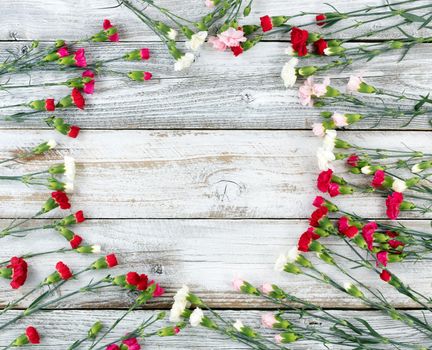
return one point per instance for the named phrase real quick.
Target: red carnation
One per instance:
(111, 260)
(89, 86)
(78, 98)
(19, 272)
(237, 50)
(353, 160)
(266, 23)
(79, 216)
(378, 179)
(145, 53)
(299, 40)
(385, 276)
(346, 229)
(324, 179)
(63, 270)
(320, 19)
(106, 24)
(73, 131)
(382, 258)
(317, 215)
(368, 231)
(306, 239)
(80, 59)
(159, 291)
(32, 335)
(61, 199)
(333, 189)
(49, 104)
(132, 278)
(320, 45)
(318, 201)
(75, 241)
(393, 203)
(143, 282)
(395, 244)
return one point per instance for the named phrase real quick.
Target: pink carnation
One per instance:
(354, 83)
(267, 288)
(382, 258)
(318, 129)
(340, 120)
(217, 43)
(232, 37)
(309, 90)
(209, 3)
(268, 320)
(237, 284)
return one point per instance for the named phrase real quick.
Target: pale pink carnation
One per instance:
(318, 129)
(217, 43)
(232, 37)
(354, 83)
(237, 284)
(278, 338)
(267, 288)
(268, 320)
(309, 90)
(340, 120)
(209, 3)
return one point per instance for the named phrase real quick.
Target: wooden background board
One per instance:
(194, 177)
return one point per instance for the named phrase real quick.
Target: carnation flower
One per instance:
(324, 179)
(31, 336)
(232, 37)
(378, 179)
(266, 23)
(299, 38)
(267, 288)
(368, 231)
(238, 325)
(268, 320)
(110, 31)
(184, 61)
(320, 46)
(78, 98)
(354, 83)
(310, 89)
(63, 271)
(393, 203)
(237, 284)
(209, 3)
(399, 185)
(318, 129)
(88, 87)
(288, 74)
(320, 18)
(130, 344)
(385, 276)
(196, 40)
(340, 120)
(16, 271)
(196, 317)
(172, 34)
(217, 43)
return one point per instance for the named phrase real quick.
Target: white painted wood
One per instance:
(191, 174)
(218, 91)
(54, 19)
(60, 328)
(204, 254)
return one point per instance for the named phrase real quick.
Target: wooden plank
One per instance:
(191, 174)
(60, 328)
(217, 92)
(204, 254)
(25, 20)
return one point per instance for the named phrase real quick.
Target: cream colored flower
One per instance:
(196, 41)
(288, 73)
(184, 62)
(196, 317)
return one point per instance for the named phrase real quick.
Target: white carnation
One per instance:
(196, 41)
(69, 164)
(69, 187)
(172, 34)
(184, 62)
(366, 170)
(399, 185)
(416, 169)
(325, 158)
(280, 263)
(288, 73)
(51, 144)
(176, 311)
(196, 317)
(182, 294)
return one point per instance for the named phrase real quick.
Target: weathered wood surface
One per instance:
(217, 92)
(53, 19)
(62, 328)
(204, 254)
(191, 174)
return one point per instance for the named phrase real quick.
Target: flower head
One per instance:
(268, 320)
(78, 98)
(393, 203)
(89, 82)
(232, 37)
(299, 38)
(185, 61)
(217, 43)
(196, 40)
(17, 272)
(196, 317)
(289, 74)
(63, 270)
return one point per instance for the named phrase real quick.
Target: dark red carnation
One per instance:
(324, 179)
(385, 276)
(320, 18)
(75, 241)
(79, 216)
(304, 241)
(32, 335)
(61, 199)
(353, 160)
(346, 229)
(50, 105)
(393, 203)
(73, 131)
(63, 270)
(299, 40)
(237, 50)
(368, 231)
(19, 272)
(132, 278)
(266, 23)
(143, 282)
(78, 98)
(320, 45)
(111, 260)
(395, 244)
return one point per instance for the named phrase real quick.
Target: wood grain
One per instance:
(61, 328)
(191, 174)
(218, 92)
(204, 254)
(51, 19)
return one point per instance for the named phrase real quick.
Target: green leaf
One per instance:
(425, 23)
(412, 17)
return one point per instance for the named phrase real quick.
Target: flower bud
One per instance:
(334, 51)
(53, 278)
(288, 337)
(247, 10)
(168, 331)
(412, 181)
(307, 71)
(353, 118)
(395, 44)
(327, 258)
(407, 206)
(140, 75)
(354, 290)
(342, 144)
(89, 249)
(250, 29)
(326, 114)
(37, 105)
(95, 329)
(44, 147)
(292, 268)
(366, 88)
(332, 92)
